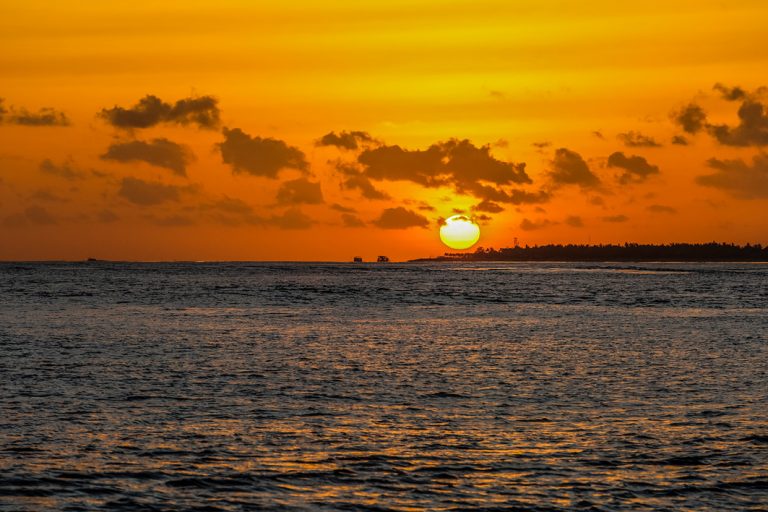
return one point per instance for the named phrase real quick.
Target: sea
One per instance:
(383, 387)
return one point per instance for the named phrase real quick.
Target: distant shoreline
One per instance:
(671, 253)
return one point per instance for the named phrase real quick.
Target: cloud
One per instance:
(730, 93)
(400, 218)
(530, 225)
(679, 140)
(235, 212)
(31, 215)
(299, 191)
(259, 156)
(293, 218)
(455, 163)
(569, 168)
(46, 195)
(635, 139)
(346, 140)
(342, 209)
(352, 221)
(64, 170)
(660, 208)
(691, 118)
(107, 216)
(574, 221)
(202, 111)
(616, 218)
(752, 129)
(158, 152)
(636, 168)
(355, 179)
(487, 206)
(44, 117)
(738, 178)
(229, 205)
(231, 212)
(148, 193)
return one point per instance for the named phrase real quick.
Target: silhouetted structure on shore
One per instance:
(628, 252)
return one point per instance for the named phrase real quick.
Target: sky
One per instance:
(322, 130)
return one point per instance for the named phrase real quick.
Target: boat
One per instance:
(357, 259)
(382, 259)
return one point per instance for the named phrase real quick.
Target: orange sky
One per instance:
(228, 159)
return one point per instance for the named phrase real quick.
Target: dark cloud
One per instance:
(616, 218)
(230, 205)
(738, 178)
(46, 195)
(487, 206)
(44, 117)
(363, 184)
(230, 212)
(542, 145)
(423, 206)
(636, 168)
(31, 215)
(531, 225)
(660, 208)
(39, 215)
(752, 129)
(679, 140)
(342, 209)
(730, 93)
(300, 191)
(259, 156)
(400, 218)
(148, 193)
(574, 221)
(635, 139)
(352, 221)
(455, 163)
(158, 152)
(64, 170)
(691, 118)
(569, 168)
(293, 218)
(202, 111)
(346, 140)
(107, 216)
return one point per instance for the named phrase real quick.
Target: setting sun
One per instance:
(459, 232)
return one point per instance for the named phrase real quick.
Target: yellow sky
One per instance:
(524, 81)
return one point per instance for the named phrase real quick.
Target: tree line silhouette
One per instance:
(712, 251)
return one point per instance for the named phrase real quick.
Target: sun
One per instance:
(459, 232)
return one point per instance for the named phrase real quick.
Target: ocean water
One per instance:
(255, 386)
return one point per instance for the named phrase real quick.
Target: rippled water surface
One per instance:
(383, 387)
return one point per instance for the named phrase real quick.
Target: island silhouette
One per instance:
(712, 251)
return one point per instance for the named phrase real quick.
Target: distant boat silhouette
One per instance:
(357, 259)
(382, 259)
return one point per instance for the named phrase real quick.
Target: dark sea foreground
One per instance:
(239, 386)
